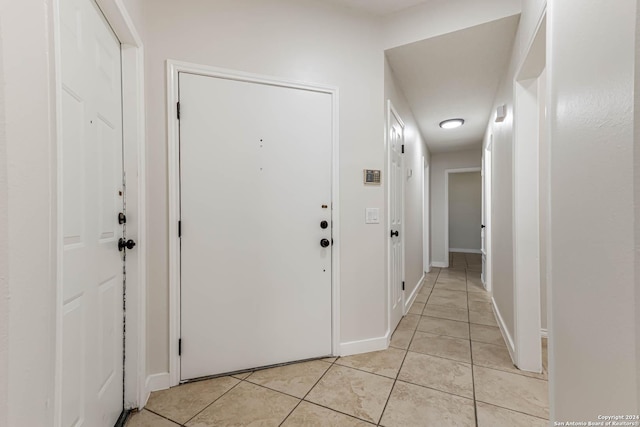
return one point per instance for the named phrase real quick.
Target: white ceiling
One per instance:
(378, 7)
(454, 75)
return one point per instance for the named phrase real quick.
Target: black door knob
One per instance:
(324, 243)
(129, 244)
(482, 226)
(324, 224)
(394, 233)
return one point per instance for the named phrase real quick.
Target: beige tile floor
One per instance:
(447, 366)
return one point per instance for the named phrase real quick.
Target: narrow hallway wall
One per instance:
(502, 173)
(28, 307)
(414, 151)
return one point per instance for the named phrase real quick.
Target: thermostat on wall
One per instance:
(372, 177)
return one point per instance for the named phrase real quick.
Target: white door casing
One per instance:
(486, 200)
(447, 172)
(426, 234)
(255, 185)
(91, 176)
(395, 148)
(483, 243)
(526, 202)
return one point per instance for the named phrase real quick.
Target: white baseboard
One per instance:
(365, 346)
(466, 251)
(505, 332)
(414, 294)
(544, 333)
(439, 264)
(155, 382)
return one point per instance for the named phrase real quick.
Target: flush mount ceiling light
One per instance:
(451, 123)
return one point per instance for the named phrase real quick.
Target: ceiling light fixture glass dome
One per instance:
(451, 123)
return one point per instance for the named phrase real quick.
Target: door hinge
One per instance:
(180, 347)
(178, 110)
(403, 286)
(179, 228)
(402, 147)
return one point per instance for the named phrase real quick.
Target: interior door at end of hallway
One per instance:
(255, 178)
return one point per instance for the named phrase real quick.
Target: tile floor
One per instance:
(447, 366)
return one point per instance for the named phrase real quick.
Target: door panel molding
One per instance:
(133, 135)
(173, 68)
(393, 116)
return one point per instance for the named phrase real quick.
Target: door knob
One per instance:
(482, 226)
(324, 224)
(395, 233)
(324, 243)
(129, 244)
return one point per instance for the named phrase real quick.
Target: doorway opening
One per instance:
(463, 213)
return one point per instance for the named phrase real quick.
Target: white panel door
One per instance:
(396, 219)
(483, 243)
(92, 197)
(255, 177)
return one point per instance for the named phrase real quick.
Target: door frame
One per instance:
(526, 218)
(134, 167)
(426, 205)
(447, 172)
(174, 67)
(487, 201)
(391, 110)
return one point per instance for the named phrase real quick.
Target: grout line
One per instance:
(513, 410)
(406, 352)
(373, 373)
(312, 387)
(215, 400)
(438, 390)
(161, 416)
(473, 379)
(510, 372)
(340, 412)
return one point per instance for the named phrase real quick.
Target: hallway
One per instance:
(447, 366)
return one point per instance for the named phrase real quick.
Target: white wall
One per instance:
(440, 162)
(27, 191)
(593, 285)
(437, 17)
(300, 40)
(465, 211)
(502, 169)
(636, 181)
(4, 251)
(415, 149)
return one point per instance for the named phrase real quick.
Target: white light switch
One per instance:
(372, 216)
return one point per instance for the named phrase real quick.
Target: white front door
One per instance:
(255, 177)
(395, 141)
(92, 197)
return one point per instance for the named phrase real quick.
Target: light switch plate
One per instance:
(372, 216)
